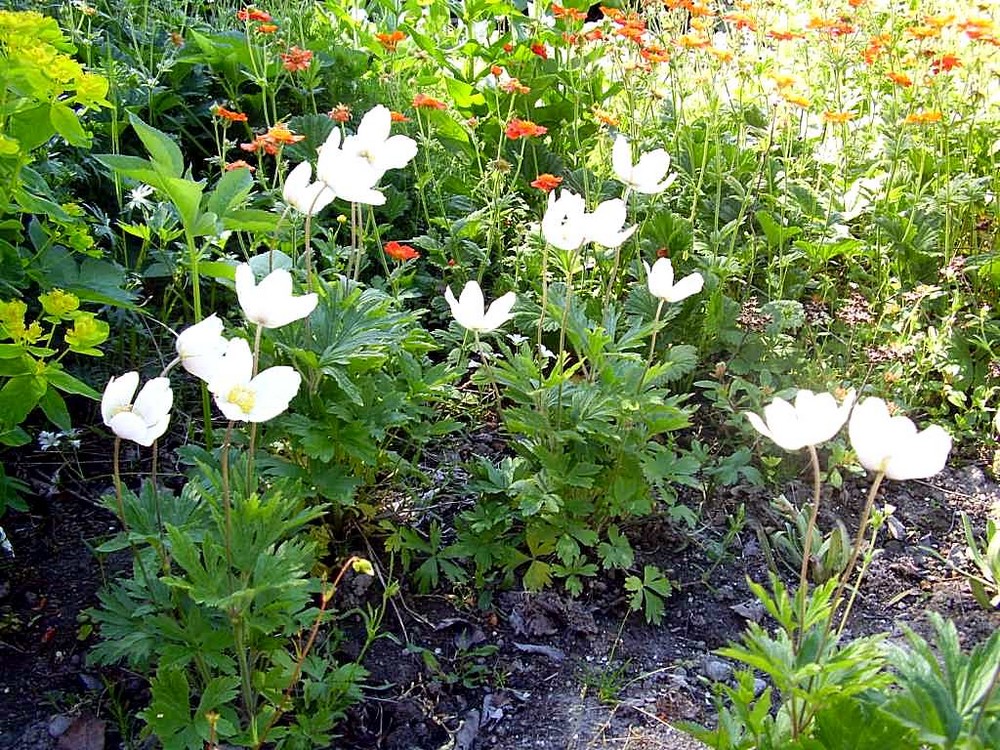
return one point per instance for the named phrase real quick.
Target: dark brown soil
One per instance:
(563, 673)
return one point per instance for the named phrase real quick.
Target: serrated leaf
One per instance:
(537, 576)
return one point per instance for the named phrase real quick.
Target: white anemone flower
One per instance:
(353, 168)
(892, 445)
(470, 309)
(271, 302)
(814, 419)
(306, 197)
(648, 175)
(564, 224)
(244, 397)
(200, 347)
(606, 225)
(143, 420)
(660, 279)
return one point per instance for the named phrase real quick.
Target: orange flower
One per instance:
(267, 28)
(697, 9)
(944, 64)
(693, 41)
(797, 99)
(923, 118)
(784, 35)
(228, 114)
(398, 117)
(900, 79)
(976, 28)
(341, 113)
(518, 128)
(514, 86)
(280, 133)
(539, 49)
(571, 13)
(398, 251)
(838, 117)
(612, 14)
(593, 35)
(722, 55)
(546, 182)
(741, 21)
(238, 164)
(856, 3)
(939, 22)
(833, 27)
(391, 41)
(252, 14)
(605, 117)
(496, 70)
(654, 53)
(428, 102)
(296, 59)
(176, 39)
(923, 32)
(783, 80)
(258, 143)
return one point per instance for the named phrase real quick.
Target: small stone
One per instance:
(716, 670)
(759, 686)
(58, 725)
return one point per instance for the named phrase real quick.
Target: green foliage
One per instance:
(985, 580)
(648, 593)
(219, 607)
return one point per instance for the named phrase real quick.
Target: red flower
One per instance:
(539, 49)
(546, 182)
(238, 164)
(281, 134)
(400, 252)
(296, 59)
(391, 41)
(900, 79)
(572, 13)
(267, 28)
(252, 14)
(428, 102)
(341, 113)
(945, 63)
(518, 128)
(398, 117)
(514, 86)
(228, 114)
(508, 48)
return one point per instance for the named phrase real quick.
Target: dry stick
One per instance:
(855, 552)
(326, 596)
(804, 579)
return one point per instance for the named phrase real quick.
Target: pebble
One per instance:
(716, 669)
(759, 686)
(58, 725)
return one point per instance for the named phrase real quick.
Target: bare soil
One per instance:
(566, 673)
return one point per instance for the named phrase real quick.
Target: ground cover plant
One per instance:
(590, 246)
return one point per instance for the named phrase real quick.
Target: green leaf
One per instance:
(18, 397)
(537, 576)
(55, 409)
(165, 154)
(66, 383)
(230, 192)
(67, 124)
(616, 552)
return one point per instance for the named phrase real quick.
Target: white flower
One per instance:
(892, 445)
(605, 226)
(247, 398)
(352, 169)
(814, 419)
(660, 279)
(469, 309)
(271, 303)
(645, 176)
(306, 197)
(200, 347)
(143, 420)
(564, 224)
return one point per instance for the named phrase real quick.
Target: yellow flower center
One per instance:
(243, 397)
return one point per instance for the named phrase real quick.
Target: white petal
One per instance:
(499, 312)
(118, 394)
(246, 288)
(920, 457)
(154, 400)
(690, 284)
(621, 159)
(201, 338)
(296, 182)
(376, 125)
(129, 426)
(784, 425)
(651, 168)
(273, 389)
(471, 306)
(397, 152)
(661, 279)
